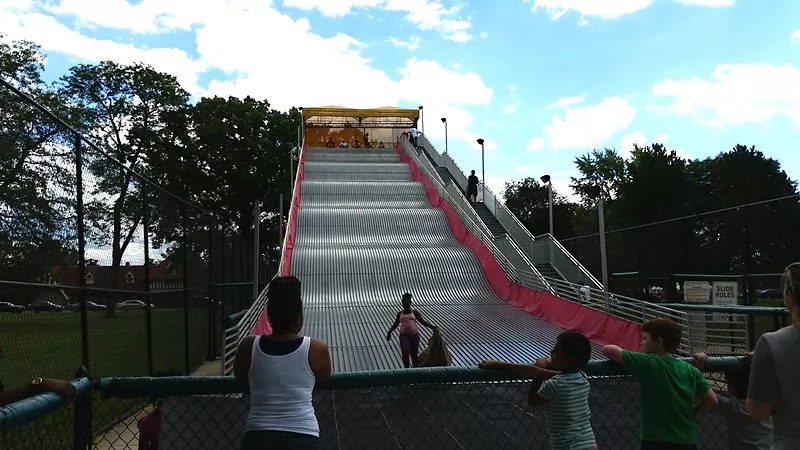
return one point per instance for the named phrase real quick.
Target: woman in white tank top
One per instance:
(281, 370)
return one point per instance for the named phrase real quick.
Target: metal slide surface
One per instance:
(366, 233)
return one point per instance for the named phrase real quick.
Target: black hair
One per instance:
(284, 304)
(577, 345)
(406, 296)
(738, 376)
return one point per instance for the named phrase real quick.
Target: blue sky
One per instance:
(543, 81)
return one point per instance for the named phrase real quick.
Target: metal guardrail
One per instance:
(236, 331)
(544, 249)
(467, 215)
(626, 308)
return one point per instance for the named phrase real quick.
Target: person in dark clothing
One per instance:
(472, 187)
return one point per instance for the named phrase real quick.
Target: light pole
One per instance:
(422, 119)
(483, 172)
(546, 180)
(444, 121)
(596, 192)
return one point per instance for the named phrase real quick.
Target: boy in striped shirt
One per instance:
(563, 391)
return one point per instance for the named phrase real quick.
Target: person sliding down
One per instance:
(408, 320)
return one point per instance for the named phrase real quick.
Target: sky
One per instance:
(542, 81)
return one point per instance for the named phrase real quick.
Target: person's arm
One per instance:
(762, 393)
(61, 387)
(707, 398)
(520, 370)
(545, 391)
(393, 327)
(424, 322)
(319, 358)
(613, 352)
(241, 364)
(633, 362)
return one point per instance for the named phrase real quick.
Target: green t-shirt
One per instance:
(669, 388)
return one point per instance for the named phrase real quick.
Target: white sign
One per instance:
(696, 291)
(726, 293)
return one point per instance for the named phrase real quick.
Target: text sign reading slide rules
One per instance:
(725, 293)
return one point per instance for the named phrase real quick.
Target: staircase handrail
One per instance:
(560, 247)
(471, 221)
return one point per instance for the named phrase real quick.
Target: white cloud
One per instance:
(638, 138)
(567, 101)
(496, 183)
(629, 140)
(593, 8)
(331, 8)
(229, 33)
(709, 3)
(736, 94)
(583, 22)
(589, 126)
(433, 15)
(484, 35)
(795, 36)
(412, 43)
(536, 143)
(509, 109)
(514, 101)
(52, 35)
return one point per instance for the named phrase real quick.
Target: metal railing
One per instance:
(732, 329)
(541, 250)
(428, 408)
(467, 215)
(626, 308)
(236, 331)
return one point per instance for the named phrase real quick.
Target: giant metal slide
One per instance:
(366, 232)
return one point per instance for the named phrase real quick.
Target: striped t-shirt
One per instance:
(567, 412)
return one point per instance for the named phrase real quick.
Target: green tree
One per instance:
(604, 168)
(37, 195)
(225, 154)
(756, 239)
(528, 200)
(125, 109)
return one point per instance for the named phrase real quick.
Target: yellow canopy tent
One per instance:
(368, 127)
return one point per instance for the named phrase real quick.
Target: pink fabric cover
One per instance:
(263, 326)
(600, 328)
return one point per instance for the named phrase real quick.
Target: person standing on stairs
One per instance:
(408, 320)
(472, 187)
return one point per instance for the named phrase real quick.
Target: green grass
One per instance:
(49, 344)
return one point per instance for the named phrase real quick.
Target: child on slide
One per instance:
(409, 319)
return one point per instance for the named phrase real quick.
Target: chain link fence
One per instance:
(450, 408)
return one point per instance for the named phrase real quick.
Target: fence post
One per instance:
(82, 416)
(148, 312)
(185, 245)
(211, 353)
(81, 251)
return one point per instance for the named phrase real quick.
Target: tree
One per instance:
(125, 107)
(225, 154)
(37, 193)
(528, 200)
(603, 168)
(748, 239)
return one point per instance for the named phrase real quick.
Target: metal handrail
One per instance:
(470, 221)
(234, 334)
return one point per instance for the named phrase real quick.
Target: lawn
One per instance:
(49, 344)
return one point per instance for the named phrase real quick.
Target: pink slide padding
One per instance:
(600, 328)
(263, 326)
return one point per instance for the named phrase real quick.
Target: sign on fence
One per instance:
(697, 292)
(726, 293)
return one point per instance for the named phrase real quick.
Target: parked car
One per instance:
(90, 306)
(132, 305)
(44, 306)
(9, 307)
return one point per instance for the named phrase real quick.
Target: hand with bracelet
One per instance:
(36, 386)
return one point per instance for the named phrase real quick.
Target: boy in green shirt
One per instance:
(674, 393)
